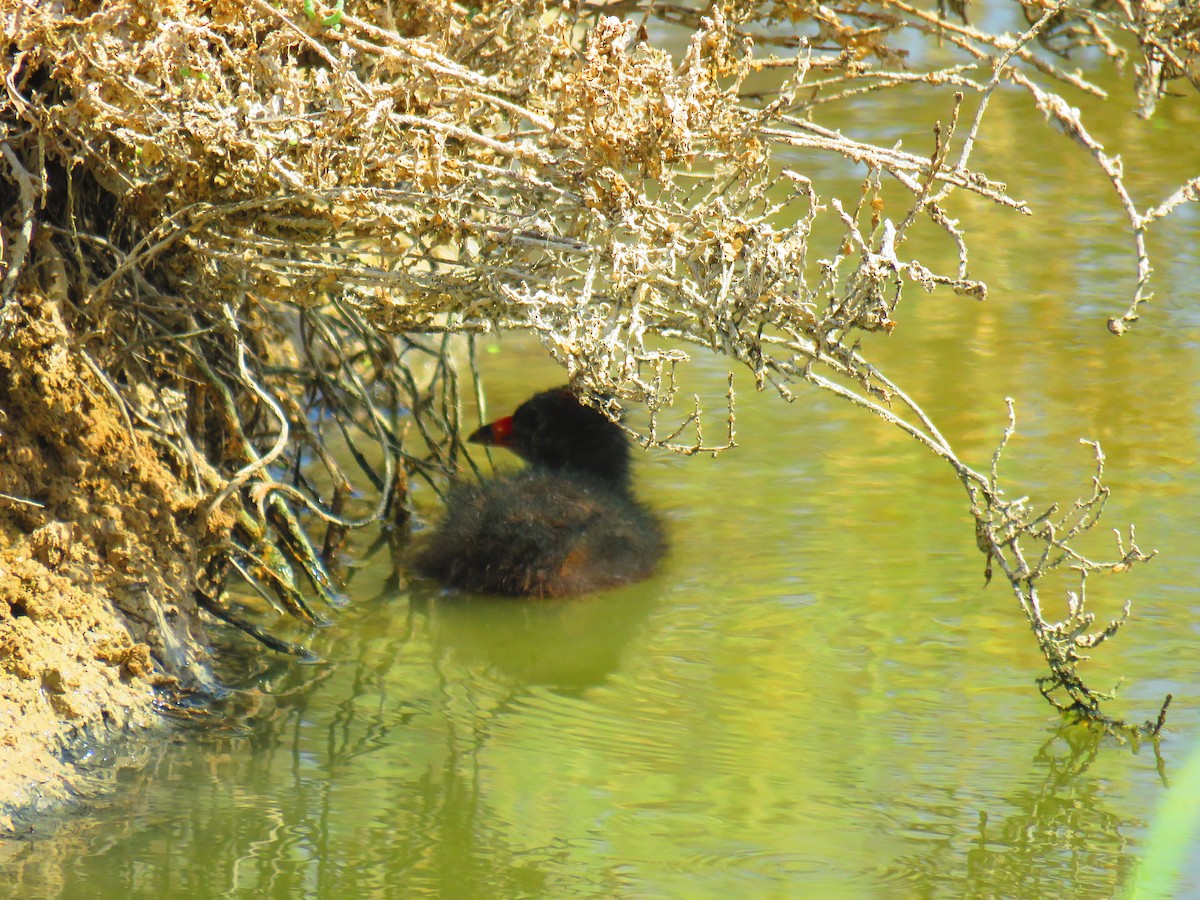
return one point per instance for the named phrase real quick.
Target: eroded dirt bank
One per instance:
(95, 562)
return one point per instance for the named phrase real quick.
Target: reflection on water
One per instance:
(567, 645)
(815, 697)
(852, 738)
(1056, 836)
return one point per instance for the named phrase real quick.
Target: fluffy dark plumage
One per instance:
(566, 525)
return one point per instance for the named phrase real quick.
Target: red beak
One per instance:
(495, 434)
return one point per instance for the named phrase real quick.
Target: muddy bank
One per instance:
(95, 563)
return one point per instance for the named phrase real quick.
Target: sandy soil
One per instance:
(96, 564)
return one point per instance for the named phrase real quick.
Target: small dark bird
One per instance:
(568, 524)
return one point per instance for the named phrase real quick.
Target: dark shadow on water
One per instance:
(567, 645)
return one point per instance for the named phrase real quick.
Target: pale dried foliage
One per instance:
(421, 168)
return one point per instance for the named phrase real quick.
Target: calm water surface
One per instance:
(816, 696)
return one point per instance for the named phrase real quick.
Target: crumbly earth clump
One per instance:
(95, 563)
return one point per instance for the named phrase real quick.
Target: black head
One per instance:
(554, 431)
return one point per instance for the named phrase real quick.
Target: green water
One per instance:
(815, 697)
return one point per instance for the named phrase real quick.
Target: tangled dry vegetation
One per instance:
(245, 233)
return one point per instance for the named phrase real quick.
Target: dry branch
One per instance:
(276, 214)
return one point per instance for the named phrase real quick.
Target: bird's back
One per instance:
(541, 534)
